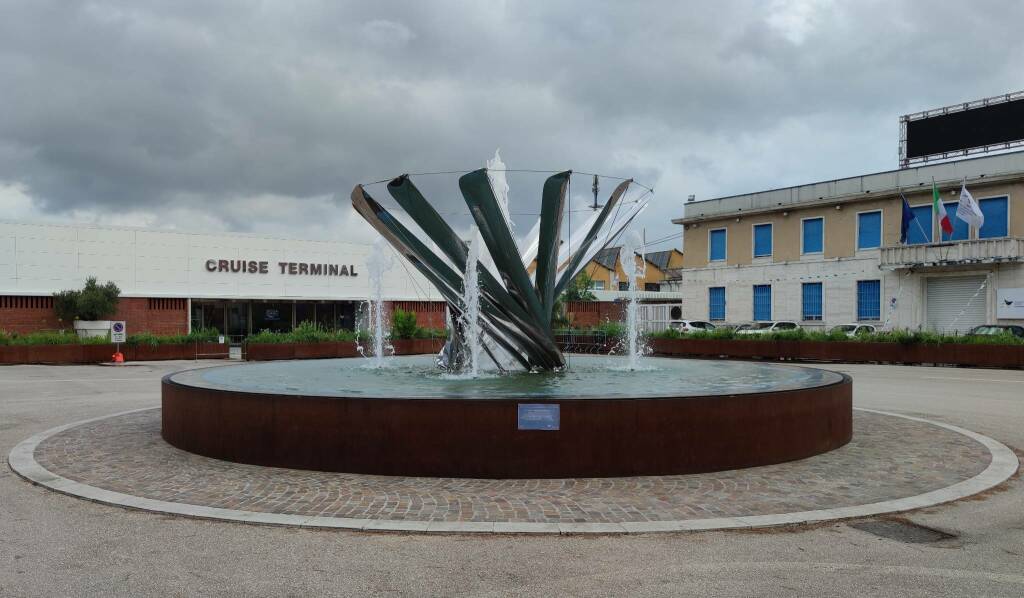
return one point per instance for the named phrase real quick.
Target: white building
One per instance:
(173, 280)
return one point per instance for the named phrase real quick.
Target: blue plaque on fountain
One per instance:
(539, 416)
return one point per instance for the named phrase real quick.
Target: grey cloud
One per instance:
(134, 105)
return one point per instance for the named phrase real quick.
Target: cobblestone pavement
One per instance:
(888, 458)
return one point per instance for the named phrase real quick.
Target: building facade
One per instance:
(173, 281)
(830, 253)
(607, 274)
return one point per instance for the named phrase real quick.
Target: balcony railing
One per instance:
(978, 251)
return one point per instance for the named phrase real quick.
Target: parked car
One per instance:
(997, 329)
(766, 327)
(691, 325)
(852, 330)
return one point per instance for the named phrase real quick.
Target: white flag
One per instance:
(968, 209)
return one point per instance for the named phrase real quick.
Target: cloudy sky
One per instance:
(261, 116)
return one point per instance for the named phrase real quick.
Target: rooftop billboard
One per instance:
(980, 126)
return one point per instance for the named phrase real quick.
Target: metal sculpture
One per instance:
(515, 308)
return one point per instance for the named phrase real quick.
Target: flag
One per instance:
(968, 209)
(940, 212)
(908, 215)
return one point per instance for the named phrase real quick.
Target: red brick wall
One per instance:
(591, 313)
(159, 316)
(429, 314)
(27, 314)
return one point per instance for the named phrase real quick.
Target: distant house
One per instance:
(606, 272)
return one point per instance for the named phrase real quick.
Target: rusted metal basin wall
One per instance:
(480, 438)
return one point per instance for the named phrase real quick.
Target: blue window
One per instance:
(960, 228)
(762, 240)
(920, 231)
(762, 302)
(716, 245)
(995, 210)
(869, 230)
(811, 307)
(869, 300)
(716, 303)
(814, 233)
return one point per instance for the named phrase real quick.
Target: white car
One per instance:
(766, 327)
(691, 326)
(852, 330)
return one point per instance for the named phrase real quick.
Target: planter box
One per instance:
(208, 351)
(417, 346)
(269, 351)
(98, 353)
(57, 354)
(326, 350)
(1002, 356)
(315, 350)
(92, 328)
(103, 353)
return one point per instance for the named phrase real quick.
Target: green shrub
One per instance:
(203, 335)
(93, 302)
(431, 333)
(306, 332)
(608, 328)
(65, 305)
(50, 338)
(403, 324)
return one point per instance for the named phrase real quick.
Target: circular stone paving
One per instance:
(894, 463)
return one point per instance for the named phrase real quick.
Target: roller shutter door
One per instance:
(948, 296)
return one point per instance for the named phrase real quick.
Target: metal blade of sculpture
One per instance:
(515, 311)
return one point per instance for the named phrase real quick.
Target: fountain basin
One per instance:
(674, 417)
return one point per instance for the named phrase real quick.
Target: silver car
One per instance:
(852, 330)
(766, 327)
(691, 326)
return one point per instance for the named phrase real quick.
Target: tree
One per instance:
(92, 302)
(577, 290)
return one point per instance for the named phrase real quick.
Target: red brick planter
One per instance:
(1001, 356)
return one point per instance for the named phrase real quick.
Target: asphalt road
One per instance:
(54, 545)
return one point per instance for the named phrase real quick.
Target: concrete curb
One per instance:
(1004, 464)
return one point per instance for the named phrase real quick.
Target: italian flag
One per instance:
(947, 226)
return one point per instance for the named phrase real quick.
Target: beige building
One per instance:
(829, 253)
(607, 274)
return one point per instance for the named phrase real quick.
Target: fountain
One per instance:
(628, 257)
(471, 307)
(379, 262)
(536, 418)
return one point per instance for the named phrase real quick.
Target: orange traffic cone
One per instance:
(118, 357)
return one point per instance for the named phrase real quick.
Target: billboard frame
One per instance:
(906, 162)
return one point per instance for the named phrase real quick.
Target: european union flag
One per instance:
(908, 215)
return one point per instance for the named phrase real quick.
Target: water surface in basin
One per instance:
(588, 376)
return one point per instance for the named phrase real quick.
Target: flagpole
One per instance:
(923, 234)
(913, 217)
